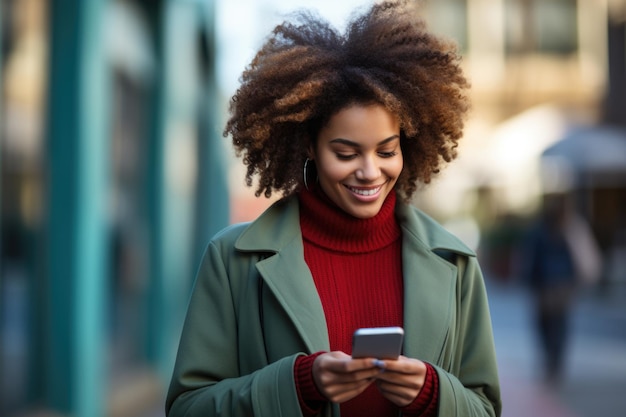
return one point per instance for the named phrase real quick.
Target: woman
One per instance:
(345, 127)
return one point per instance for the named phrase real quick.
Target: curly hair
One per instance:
(307, 71)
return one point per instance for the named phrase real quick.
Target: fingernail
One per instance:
(378, 363)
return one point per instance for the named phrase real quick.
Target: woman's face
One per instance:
(358, 158)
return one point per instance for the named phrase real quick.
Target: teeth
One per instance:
(365, 192)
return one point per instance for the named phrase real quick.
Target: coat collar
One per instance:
(278, 226)
(430, 280)
(275, 229)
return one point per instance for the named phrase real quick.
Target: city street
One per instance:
(595, 381)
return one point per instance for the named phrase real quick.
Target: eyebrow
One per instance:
(358, 145)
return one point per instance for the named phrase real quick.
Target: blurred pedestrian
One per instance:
(344, 126)
(560, 253)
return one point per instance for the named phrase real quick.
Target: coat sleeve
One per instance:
(469, 384)
(207, 380)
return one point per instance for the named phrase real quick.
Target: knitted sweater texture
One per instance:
(357, 268)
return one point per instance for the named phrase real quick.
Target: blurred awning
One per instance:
(593, 155)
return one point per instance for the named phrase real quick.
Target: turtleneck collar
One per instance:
(324, 224)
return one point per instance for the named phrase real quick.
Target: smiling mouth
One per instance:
(364, 191)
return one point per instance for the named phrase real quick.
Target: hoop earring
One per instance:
(304, 174)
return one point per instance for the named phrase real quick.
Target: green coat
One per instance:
(229, 364)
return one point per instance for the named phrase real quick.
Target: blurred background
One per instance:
(114, 175)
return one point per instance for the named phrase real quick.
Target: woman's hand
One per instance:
(402, 380)
(340, 378)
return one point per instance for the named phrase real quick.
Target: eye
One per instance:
(387, 154)
(345, 157)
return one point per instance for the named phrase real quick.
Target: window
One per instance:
(547, 26)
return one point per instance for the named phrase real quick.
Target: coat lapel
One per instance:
(285, 272)
(289, 278)
(429, 283)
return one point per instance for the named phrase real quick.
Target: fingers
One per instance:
(402, 380)
(340, 362)
(339, 393)
(403, 365)
(340, 378)
(400, 396)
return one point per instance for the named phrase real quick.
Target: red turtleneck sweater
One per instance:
(357, 268)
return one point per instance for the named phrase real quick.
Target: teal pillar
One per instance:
(74, 374)
(213, 203)
(188, 196)
(171, 193)
(156, 191)
(1, 124)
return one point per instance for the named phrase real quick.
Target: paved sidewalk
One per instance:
(595, 380)
(524, 395)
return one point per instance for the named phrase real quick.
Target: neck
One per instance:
(325, 224)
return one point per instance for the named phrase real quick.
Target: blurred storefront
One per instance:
(112, 176)
(540, 70)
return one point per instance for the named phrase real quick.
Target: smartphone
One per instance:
(377, 342)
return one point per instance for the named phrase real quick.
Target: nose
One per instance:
(369, 170)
